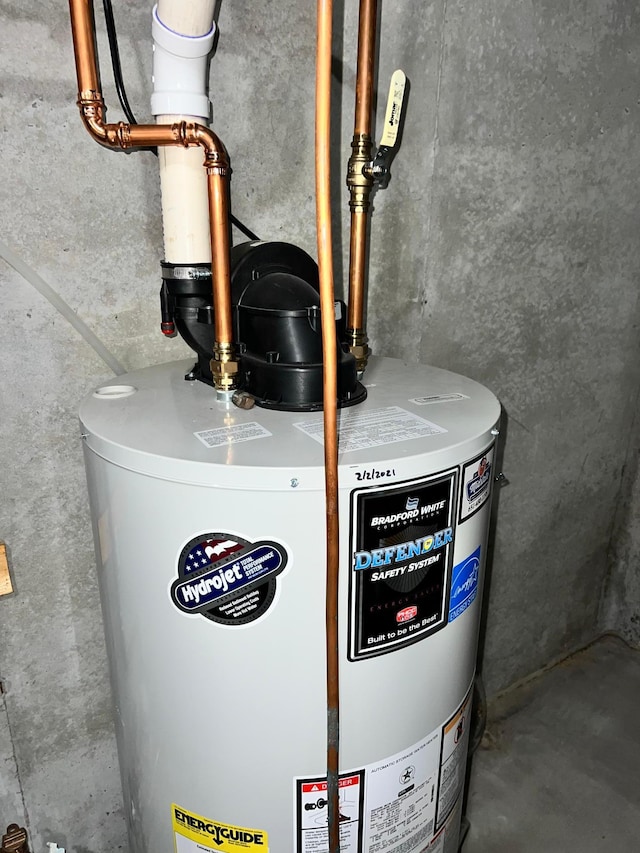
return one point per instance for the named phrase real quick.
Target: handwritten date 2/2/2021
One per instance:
(375, 473)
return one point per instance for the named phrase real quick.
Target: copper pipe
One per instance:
(357, 267)
(330, 396)
(360, 182)
(220, 260)
(187, 134)
(364, 74)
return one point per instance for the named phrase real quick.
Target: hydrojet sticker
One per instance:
(402, 550)
(477, 477)
(227, 579)
(464, 584)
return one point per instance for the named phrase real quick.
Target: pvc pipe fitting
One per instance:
(180, 65)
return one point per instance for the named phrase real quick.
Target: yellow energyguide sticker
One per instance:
(196, 834)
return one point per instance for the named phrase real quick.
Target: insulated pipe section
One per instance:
(183, 35)
(330, 409)
(181, 134)
(360, 182)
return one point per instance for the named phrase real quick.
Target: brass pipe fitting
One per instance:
(187, 134)
(224, 368)
(359, 178)
(357, 341)
(14, 840)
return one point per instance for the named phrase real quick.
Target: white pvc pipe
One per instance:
(191, 18)
(183, 182)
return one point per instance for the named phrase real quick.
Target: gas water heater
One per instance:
(209, 524)
(210, 508)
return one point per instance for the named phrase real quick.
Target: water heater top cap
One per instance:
(176, 430)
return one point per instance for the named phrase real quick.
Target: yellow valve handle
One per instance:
(394, 109)
(378, 169)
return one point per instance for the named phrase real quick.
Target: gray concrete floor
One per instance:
(558, 770)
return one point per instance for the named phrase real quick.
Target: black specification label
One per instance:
(402, 549)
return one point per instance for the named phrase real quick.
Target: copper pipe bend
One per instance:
(188, 134)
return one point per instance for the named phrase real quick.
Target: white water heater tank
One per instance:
(209, 524)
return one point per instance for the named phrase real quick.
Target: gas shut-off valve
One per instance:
(365, 171)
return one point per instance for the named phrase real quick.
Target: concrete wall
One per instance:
(620, 605)
(505, 248)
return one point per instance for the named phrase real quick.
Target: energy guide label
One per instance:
(194, 833)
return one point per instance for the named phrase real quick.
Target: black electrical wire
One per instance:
(241, 227)
(115, 62)
(124, 101)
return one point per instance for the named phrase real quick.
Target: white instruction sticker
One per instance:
(401, 798)
(438, 398)
(360, 431)
(406, 803)
(232, 434)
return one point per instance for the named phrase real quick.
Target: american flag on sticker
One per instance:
(209, 551)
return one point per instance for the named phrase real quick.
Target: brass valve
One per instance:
(359, 179)
(364, 171)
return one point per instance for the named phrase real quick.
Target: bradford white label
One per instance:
(402, 548)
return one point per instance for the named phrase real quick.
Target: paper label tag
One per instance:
(232, 434)
(361, 431)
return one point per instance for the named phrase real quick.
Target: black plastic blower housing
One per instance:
(276, 307)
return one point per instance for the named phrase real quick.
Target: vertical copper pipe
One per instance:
(364, 74)
(84, 47)
(357, 267)
(360, 182)
(330, 396)
(216, 162)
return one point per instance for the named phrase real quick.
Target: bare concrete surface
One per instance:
(559, 767)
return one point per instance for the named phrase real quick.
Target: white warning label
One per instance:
(401, 799)
(360, 431)
(455, 740)
(232, 434)
(312, 814)
(406, 803)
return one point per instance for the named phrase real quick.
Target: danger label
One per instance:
(313, 814)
